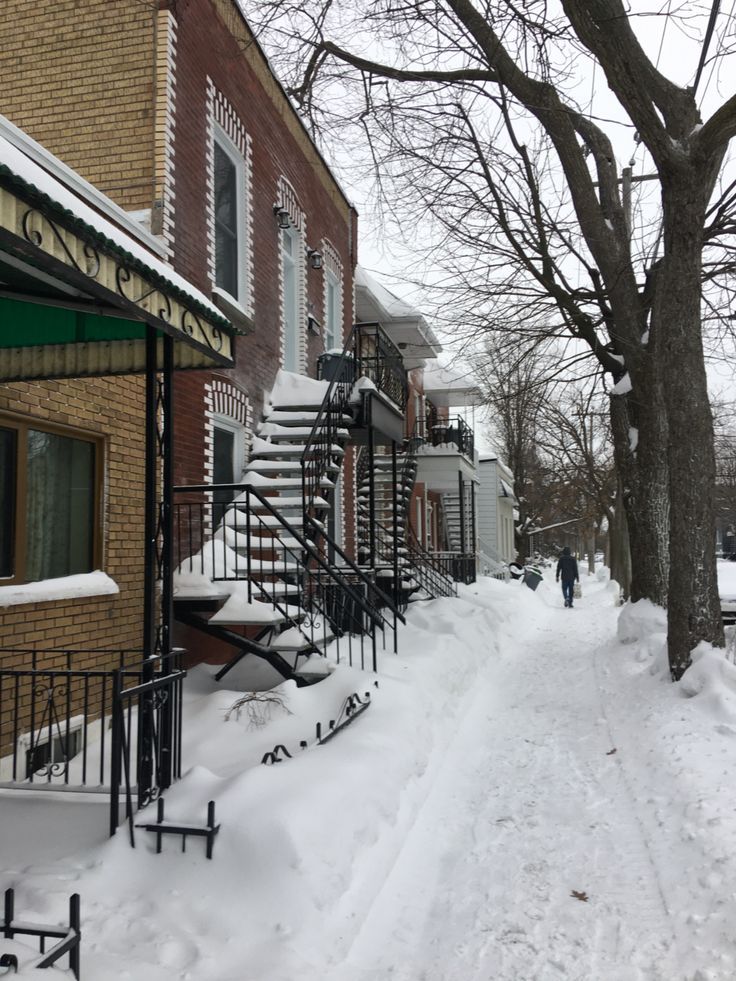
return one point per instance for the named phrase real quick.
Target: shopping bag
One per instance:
(577, 591)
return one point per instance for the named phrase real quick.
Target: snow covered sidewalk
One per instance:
(526, 799)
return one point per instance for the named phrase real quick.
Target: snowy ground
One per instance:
(528, 798)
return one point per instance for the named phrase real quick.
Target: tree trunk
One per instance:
(591, 550)
(639, 430)
(618, 538)
(694, 612)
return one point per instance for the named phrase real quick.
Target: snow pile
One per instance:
(711, 681)
(522, 799)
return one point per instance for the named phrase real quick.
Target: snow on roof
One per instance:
(392, 305)
(403, 322)
(14, 162)
(457, 385)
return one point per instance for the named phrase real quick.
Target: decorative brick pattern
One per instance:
(288, 200)
(224, 400)
(163, 222)
(220, 111)
(333, 266)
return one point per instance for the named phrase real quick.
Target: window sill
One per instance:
(50, 590)
(235, 313)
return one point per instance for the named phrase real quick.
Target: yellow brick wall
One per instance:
(114, 408)
(92, 63)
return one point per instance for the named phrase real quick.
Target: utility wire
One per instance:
(706, 41)
(666, 24)
(714, 65)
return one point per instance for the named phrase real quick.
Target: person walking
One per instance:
(567, 570)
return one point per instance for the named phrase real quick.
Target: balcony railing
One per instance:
(451, 432)
(369, 353)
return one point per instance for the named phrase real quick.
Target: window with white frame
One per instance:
(333, 297)
(291, 265)
(229, 216)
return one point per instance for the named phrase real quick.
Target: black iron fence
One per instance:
(460, 566)
(102, 720)
(450, 431)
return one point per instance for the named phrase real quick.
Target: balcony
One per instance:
(447, 452)
(371, 370)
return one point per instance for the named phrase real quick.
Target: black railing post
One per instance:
(116, 750)
(461, 509)
(395, 497)
(9, 914)
(150, 522)
(473, 528)
(166, 712)
(372, 494)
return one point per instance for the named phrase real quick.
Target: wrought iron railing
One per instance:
(66, 721)
(283, 568)
(459, 566)
(450, 431)
(54, 712)
(378, 359)
(430, 571)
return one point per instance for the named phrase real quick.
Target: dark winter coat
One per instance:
(567, 567)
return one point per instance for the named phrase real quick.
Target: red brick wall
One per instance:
(205, 47)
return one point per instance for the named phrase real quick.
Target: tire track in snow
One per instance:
(525, 807)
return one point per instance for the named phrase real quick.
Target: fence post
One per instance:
(9, 912)
(75, 927)
(116, 750)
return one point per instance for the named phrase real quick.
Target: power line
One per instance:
(666, 25)
(706, 41)
(714, 65)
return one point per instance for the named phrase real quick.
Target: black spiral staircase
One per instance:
(257, 566)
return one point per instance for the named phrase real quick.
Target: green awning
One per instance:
(26, 324)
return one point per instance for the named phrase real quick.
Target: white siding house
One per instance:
(496, 503)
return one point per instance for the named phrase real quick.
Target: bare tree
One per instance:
(639, 313)
(515, 386)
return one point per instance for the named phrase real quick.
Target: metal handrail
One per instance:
(455, 427)
(305, 545)
(430, 562)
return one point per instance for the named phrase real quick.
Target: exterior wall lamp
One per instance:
(315, 258)
(282, 216)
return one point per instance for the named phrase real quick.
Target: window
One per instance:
(332, 312)
(332, 319)
(227, 459)
(229, 215)
(291, 253)
(49, 502)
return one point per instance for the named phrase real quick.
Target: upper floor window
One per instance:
(291, 263)
(332, 298)
(50, 492)
(229, 216)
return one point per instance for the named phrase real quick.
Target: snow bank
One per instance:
(638, 621)
(711, 682)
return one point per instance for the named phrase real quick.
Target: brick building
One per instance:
(170, 109)
(171, 113)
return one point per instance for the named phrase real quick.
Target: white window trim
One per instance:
(222, 140)
(333, 273)
(297, 257)
(239, 431)
(286, 198)
(224, 121)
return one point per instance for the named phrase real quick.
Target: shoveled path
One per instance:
(527, 861)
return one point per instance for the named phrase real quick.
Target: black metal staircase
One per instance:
(261, 571)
